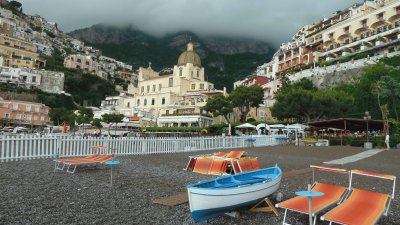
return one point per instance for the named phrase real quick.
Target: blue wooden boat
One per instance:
(212, 198)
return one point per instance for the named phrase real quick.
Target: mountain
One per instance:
(225, 59)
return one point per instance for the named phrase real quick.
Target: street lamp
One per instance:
(367, 117)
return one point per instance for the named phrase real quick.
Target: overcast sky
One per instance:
(269, 20)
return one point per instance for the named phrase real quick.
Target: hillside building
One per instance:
(24, 113)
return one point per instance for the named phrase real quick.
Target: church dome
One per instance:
(189, 56)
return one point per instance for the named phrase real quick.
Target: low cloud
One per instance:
(274, 21)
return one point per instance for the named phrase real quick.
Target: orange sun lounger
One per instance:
(76, 163)
(218, 167)
(362, 207)
(236, 154)
(332, 195)
(60, 161)
(203, 165)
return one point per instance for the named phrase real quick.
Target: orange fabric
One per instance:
(361, 208)
(202, 165)
(385, 176)
(100, 159)
(245, 165)
(218, 167)
(254, 163)
(331, 169)
(98, 146)
(236, 154)
(78, 158)
(220, 154)
(332, 194)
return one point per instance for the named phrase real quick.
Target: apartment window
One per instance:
(5, 105)
(29, 117)
(128, 105)
(138, 102)
(379, 16)
(37, 109)
(193, 86)
(42, 118)
(346, 29)
(35, 118)
(331, 35)
(148, 88)
(167, 112)
(87, 63)
(15, 106)
(145, 102)
(142, 89)
(33, 79)
(153, 101)
(180, 71)
(28, 108)
(201, 86)
(364, 22)
(79, 60)
(154, 88)
(171, 82)
(163, 101)
(159, 87)
(7, 115)
(18, 116)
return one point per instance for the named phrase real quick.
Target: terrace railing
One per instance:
(13, 148)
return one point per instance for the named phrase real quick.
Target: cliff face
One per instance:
(225, 59)
(102, 34)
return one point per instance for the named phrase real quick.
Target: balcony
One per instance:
(380, 21)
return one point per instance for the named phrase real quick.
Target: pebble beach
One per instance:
(32, 193)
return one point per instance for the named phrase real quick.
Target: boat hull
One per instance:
(209, 203)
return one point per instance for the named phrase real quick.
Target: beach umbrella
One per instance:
(246, 125)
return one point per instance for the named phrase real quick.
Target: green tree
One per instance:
(112, 119)
(85, 116)
(391, 93)
(219, 105)
(59, 115)
(14, 6)
(97, 123)
(305, 103)
(245, 97)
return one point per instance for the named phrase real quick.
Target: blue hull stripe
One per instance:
(202, 215)
(262, 189)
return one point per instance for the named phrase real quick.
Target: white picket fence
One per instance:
(14, 148)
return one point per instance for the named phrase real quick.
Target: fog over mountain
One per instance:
(268, 20)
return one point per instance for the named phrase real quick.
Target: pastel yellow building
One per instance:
(180, 95)
(18, 53)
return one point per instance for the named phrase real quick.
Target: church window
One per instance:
(191, 73)
(128, 105)
(138, 102)
(171, 82)
(180, 71)
(154, 88)
(148, 88)
(201, 86)
(142, 89)
(198, 73)
(153, 101)
(163, 101)
(193, 86)
(145, 102)
(159, 87)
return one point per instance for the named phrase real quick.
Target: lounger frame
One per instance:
(315, 214)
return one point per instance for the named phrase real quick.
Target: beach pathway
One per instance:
(354, 158)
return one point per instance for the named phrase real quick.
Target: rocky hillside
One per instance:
(225, 59)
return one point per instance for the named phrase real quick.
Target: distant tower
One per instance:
(149, 65)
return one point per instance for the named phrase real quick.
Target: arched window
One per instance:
(145, 102)
(138, 102)
(198, 73)
(163, 101)
(171, 82)
(153, 101)
(128, 105)
(180, 71)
